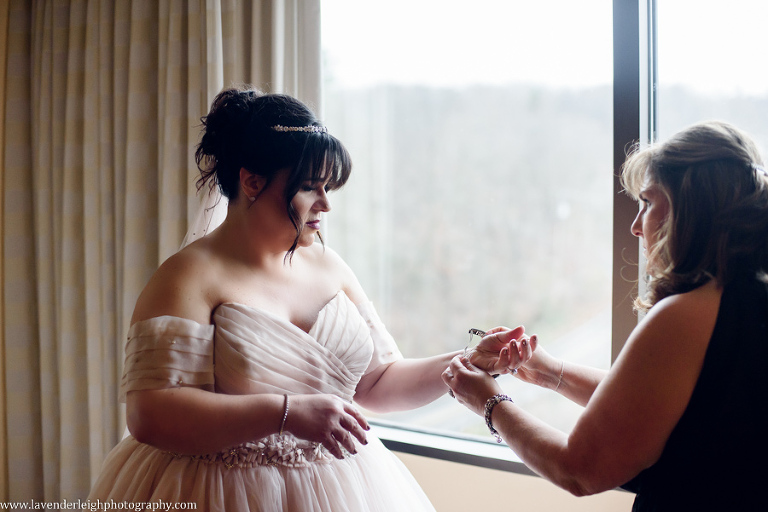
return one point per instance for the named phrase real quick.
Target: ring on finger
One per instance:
(339, 444)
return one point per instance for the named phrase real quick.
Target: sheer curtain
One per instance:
(100, 109)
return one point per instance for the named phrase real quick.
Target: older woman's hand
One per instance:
(503, 350)
(470, 385)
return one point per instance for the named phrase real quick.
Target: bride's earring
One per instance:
(251, 198)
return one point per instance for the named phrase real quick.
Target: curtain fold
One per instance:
(101, 108)
(21, 350)
(4, 5)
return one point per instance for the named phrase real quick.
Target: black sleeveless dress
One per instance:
(716, 458)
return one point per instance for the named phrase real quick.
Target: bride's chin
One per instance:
(306, 240)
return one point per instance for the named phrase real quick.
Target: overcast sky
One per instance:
(557, 42)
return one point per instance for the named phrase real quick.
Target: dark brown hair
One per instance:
(238, 133)
(717, 227)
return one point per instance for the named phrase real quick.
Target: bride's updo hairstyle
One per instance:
(717, 228)
(249, 129)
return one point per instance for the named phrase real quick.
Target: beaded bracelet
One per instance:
(489, 405)
(285, 414)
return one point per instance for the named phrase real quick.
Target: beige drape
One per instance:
(101, 101)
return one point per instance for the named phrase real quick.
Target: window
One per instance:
(717, 70)
(443, 122)
(482, 140)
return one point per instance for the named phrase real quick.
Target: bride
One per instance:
(250, 347)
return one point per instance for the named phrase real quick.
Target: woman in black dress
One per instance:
(682, 415)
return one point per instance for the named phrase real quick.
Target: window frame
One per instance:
(634, 82)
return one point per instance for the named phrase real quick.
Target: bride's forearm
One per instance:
(405, 384)
(193, 421)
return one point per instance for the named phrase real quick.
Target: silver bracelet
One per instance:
(489, 405)
(285, 414)
(560, 380)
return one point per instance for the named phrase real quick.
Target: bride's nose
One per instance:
(324, 203)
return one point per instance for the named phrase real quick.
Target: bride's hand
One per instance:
(503, 350)
(328, 420)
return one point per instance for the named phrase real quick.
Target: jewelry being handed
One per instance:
(481, 334)
(473, 332)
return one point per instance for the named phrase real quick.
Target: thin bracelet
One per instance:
(489, 405)
(560, 380)
(285, 414)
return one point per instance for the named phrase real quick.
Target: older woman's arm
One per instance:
(536, 366)
(632, 412)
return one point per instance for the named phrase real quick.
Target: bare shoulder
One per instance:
(694, 311)
(633, 411)
(330, 263)
(664, 354)
(677, 329)
(179, 287)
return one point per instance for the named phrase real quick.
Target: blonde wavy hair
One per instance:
(717, 226)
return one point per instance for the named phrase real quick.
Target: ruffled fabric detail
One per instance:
(257, 352)
(385, 350)
(373, 480)
(262, 353)
(166, 352)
